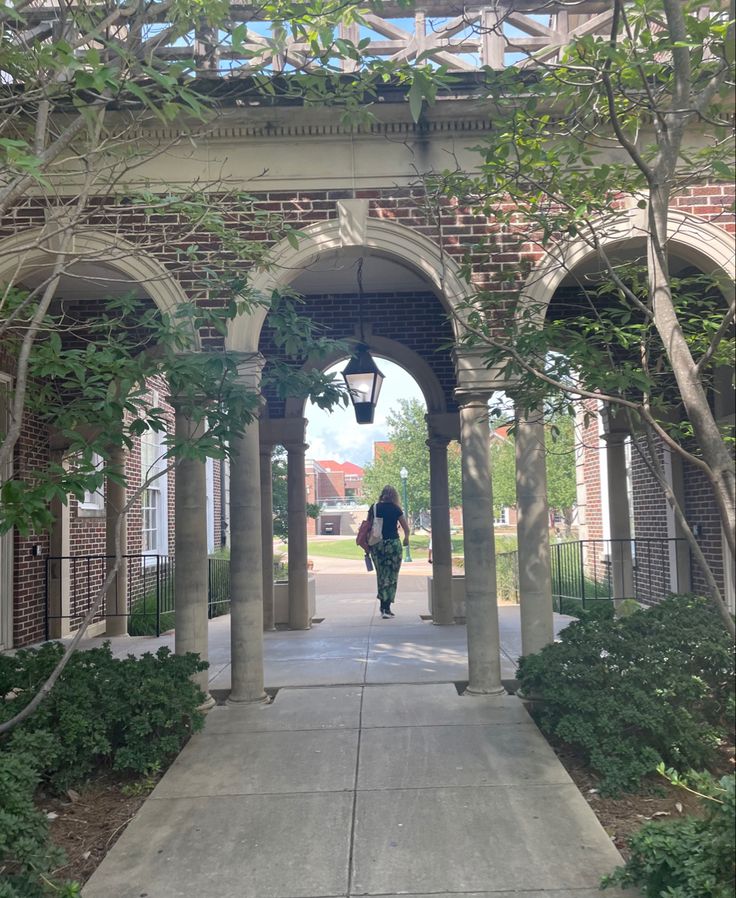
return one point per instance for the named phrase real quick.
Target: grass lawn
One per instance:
(340, 547)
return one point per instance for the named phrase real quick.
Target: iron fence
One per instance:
(73, 583)
(586, 572)
(218, 587)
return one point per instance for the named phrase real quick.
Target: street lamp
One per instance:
(404, 474)
(363, 380)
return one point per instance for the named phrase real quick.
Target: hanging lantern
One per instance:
(363, 380)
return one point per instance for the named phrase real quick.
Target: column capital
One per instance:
(467, 400)
(475, 375)
(250, 367)
(443, 424)
(437, 441)
(615, 422)
(282, 431)
(296, 446)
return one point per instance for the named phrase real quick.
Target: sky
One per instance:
(335, 435)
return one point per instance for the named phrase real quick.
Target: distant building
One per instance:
(337, 487)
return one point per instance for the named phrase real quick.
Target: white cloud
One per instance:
(337, 435)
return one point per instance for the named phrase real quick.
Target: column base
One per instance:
(262, 700)
(207, 705)
(496, 691)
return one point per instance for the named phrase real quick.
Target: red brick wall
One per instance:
(29, 570)
(330, 485)
(700, 509)
(417, 319)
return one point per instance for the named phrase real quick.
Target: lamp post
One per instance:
(404, 474)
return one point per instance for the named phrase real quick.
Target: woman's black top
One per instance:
(390, 514)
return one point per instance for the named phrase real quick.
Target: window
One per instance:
(502, 518)
(93, 503)
(154, 505)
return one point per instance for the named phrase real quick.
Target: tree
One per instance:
(637, 116)
(407, 434)
(560, 462)
(280, 499)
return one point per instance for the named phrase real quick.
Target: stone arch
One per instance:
(380, 237)
(409, 360)
(33, 248)
(699, 242)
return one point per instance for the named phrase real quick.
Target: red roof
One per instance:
(345, 467)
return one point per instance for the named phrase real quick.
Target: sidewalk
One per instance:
(367, 775)
(352, 645)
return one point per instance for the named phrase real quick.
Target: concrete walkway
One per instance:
(369, 774)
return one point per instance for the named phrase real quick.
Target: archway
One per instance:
(638, 520)
(700, 243)
(354, 230)
(97, 266)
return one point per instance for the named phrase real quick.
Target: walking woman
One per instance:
(387, 552)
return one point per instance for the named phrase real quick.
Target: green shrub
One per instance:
(686, 858)
(130, 714)
(142, 620)
(26, 856)
(631, 692)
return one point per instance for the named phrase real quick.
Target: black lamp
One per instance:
(363, 380)
(361, 375)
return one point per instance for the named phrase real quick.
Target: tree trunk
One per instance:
(707, 434)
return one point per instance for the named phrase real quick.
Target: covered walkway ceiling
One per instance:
(448, 33)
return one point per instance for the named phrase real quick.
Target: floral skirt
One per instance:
(387, 560)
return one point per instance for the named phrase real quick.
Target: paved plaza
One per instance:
(367, 775)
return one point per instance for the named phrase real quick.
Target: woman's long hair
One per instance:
(389, 494)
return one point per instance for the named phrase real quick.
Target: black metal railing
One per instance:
(218, 588)
(591, 571)
(587, 572)
(73, 583)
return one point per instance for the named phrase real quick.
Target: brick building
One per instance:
(357, 204)
(337, 487)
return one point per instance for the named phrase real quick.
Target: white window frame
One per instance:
(152, 462)
(93, 504)
(503, 519)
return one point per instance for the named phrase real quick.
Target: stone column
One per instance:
(622, 573)
(266, 474)
(116, 601)
(59, 582)
(481, 601)
(443, 611)
(299, 618)
(246, 569)
(191, 567)
(532, 528)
